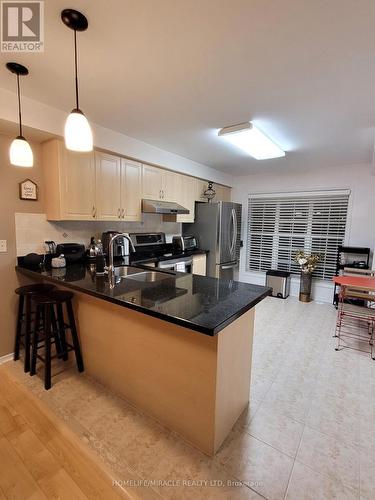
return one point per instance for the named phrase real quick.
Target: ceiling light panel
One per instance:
(253, 141)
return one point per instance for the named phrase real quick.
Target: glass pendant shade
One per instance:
(20, 153)
(78, 133)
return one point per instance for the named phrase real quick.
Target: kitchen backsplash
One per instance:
(33, 229)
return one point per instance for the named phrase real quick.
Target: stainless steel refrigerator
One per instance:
(217, 228)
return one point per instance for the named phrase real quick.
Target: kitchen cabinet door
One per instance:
(199, 264)
(69, 179)
(172, 186)
(152, 181)
(223, 193)
(108, 183)
(187, 198)
(131, 190)
(77, 185)
(201, 186)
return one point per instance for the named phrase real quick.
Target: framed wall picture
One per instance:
(28, 190)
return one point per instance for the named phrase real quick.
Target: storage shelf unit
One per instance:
(345, 259)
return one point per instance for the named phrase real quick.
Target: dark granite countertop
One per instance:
(206, 305)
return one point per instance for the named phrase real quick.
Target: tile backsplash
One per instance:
(33, 229)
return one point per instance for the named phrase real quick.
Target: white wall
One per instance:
(360, 179)
(42, 117)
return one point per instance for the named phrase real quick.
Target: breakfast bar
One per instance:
(177, 346)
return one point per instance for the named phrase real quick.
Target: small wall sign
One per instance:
(28, 190)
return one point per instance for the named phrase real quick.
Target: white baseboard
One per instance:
(6, 358)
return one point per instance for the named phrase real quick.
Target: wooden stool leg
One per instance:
(73, 329)
(61, 327)
(38, 320)
(27, 334)
(18, 328)
(47, 347)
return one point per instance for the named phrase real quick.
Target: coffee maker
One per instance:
(119, 247)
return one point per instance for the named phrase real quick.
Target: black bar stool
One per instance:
(24, 318)
(50, 328)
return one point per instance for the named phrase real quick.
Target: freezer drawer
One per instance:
(226, 271)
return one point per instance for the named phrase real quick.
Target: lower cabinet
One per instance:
(199, 264)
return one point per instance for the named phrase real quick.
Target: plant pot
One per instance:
(305, 287)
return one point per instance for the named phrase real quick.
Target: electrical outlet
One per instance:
(3, 246)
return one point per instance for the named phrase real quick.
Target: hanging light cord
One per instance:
(19, 103)
(76, 67)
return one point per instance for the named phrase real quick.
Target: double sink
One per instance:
(139, 274)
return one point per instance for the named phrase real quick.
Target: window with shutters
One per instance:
(281, 224)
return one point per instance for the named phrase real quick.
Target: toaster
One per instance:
(184, 243)
(73, 252)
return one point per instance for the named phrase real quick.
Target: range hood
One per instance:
(162, 207)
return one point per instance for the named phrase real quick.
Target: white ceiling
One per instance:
(171, 72)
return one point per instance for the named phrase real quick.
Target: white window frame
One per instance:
(297, 194)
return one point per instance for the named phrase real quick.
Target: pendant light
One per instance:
(78, 133)
(20, 153)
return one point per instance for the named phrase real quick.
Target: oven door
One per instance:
(166, 265)
(179, 265)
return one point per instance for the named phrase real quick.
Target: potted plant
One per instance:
(307, 264)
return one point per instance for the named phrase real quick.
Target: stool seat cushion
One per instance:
(37, 288)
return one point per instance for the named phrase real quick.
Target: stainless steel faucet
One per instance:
(111, 267)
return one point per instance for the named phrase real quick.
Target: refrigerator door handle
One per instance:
(230, 266)
(234, 234)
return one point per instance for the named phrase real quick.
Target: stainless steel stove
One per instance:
(153, 246)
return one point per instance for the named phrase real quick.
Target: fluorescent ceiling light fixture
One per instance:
(253, 141)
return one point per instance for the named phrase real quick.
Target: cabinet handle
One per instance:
(93, 211)
(123, 213)
(119, 213)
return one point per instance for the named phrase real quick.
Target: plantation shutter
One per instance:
(281, 224)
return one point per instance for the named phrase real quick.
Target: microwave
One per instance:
(184, 243)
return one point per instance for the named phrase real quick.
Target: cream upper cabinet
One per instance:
(78, 195)
(187, 198)
(70, 182)
(223, 193)
(118, 188)
(152, 182)
(160, 184)
(102, 186)
(172, 186)
(108, 186)
(131, 190)
(200, 188)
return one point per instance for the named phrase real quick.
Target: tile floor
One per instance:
(308, 433)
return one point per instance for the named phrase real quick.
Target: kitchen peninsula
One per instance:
(178, 346)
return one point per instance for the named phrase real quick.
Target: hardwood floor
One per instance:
(40, 458)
